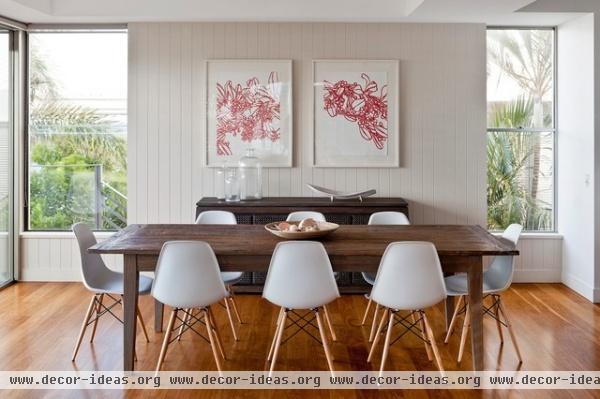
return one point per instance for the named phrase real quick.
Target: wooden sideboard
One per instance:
(275, 209)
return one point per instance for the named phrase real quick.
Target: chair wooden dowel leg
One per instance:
(498, 323)
(464, 333)
(377, 334)
(141, 319)
(213, 323)
(424, 336)
(98, 310)
(163, 349)
(436, 353)
(374, 323)
(457, 306)
(86, 319)
(513, 337)
(234, 305)
(328, 321)
(366, 314)
(386, 344)
(324, 341)
(186, 317)
(230, 317)
(278, 326)
(212, 339)
(278, 342)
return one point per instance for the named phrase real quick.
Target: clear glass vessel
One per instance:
(232, 185)
(250, 176)
(220, 174)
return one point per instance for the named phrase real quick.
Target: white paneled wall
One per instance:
(442, 113)
(55, 257)
(442, 125)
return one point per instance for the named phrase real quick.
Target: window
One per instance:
(6, 170)
(77, 129)
(521, 128)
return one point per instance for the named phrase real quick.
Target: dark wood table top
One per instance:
(354, 240)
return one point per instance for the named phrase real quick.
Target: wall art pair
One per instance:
(354, 112)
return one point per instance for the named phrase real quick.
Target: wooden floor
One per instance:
(558, 330)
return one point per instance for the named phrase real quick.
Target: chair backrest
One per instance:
(388, 218)
(500, 273)
(409, 277)
(187, 275)
(94, 272)
(300, 276)
(300, 215)
(216, 217)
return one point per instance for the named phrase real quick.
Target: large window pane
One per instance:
(5, 164)
(521, 130)
(77, 130)
(520, 78)
(520, 180)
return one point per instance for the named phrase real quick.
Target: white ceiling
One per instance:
(493, 12)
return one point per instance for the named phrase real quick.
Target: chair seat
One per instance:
(231, 277)
(369, 277)
(457, 285)
(113, 284)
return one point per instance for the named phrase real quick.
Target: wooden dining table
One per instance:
(355, 248)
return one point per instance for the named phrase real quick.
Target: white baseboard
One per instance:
(29, 274)
(582, 287)
(537, 276)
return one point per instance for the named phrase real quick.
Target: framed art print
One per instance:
(249, 105)
(355, 108)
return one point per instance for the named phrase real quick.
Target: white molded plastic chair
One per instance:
(318, 217)
(300, 277)
(229, 278)
(496, 279)
(409, 279)
(300, 215)
(103, 282)
(188, 278)
(380, 218)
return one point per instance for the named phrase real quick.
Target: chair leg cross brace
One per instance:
(98, 307)
(211, 330)
(301, 322)
(393, 318)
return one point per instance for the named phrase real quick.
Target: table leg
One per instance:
(159, 309)
(475, 275)
(130, 299)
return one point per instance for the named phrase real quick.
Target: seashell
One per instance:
(308, 222)
(283, 226)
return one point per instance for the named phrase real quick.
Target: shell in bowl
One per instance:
(292, 231)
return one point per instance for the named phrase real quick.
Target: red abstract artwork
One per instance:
(251, 112)
(363, 104)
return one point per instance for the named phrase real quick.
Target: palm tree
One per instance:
(508, 155)
(526, 57)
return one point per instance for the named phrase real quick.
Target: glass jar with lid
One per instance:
(250, 176)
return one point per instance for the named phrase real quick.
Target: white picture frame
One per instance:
(260, 94)
(345, 131)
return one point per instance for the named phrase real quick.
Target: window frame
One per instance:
(51, 28)
(553, 129)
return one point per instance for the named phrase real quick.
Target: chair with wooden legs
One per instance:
(496, 279)
(229, 278)
(105, 284)
(319, 217)
(379, 218)
(300, 278)
(409, 280)
(188, 279)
